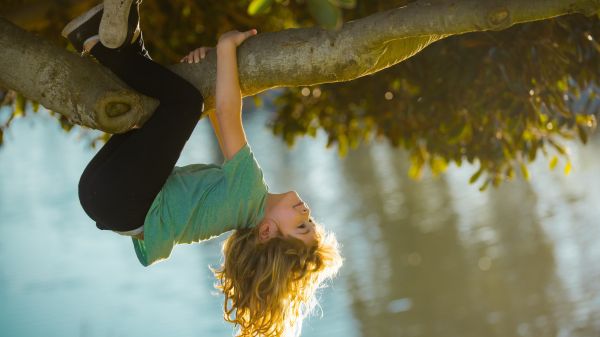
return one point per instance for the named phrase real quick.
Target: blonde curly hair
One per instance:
(270, 287)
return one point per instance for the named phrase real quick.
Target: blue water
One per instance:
(60, 276)
(429, 258)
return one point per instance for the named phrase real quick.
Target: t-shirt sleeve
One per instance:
(242, 167)
(158, 237)
(244, 183)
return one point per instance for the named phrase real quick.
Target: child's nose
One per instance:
(302, 208)
(305, 209)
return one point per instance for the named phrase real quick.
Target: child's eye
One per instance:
(302, 225)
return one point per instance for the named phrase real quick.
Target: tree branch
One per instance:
(62, 81)
(83, 91)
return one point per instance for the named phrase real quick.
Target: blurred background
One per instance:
(461, 184)
(434, 257)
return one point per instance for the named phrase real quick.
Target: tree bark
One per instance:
(83, 91)
(62, 81)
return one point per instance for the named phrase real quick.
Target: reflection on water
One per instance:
(428, 258)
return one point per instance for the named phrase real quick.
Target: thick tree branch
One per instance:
(362, 47)
(83, 91)
(88, 94)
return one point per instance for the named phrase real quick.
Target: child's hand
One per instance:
(196, 55)
(236, 38)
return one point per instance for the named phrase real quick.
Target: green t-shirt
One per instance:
(200, 201)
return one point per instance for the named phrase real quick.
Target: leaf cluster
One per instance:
(498, 99)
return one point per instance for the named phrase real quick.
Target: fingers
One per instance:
(196, 55)
(247, 34)
(203, 52)
(236, 37)
(189, 58)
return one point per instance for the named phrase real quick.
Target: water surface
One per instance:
(434, 257)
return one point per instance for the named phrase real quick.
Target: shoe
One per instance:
(119, 23)
(83, 27)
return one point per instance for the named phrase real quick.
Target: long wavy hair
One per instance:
(270, 287)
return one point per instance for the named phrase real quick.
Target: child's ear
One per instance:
(264, 231)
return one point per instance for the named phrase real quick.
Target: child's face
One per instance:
(290, 216)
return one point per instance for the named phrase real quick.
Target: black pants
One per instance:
(119, 184)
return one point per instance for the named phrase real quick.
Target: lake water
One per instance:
(434, 257)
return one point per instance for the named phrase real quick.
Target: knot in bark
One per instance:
(115, 109)
(499, 18)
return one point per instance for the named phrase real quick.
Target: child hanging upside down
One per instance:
(277, 255)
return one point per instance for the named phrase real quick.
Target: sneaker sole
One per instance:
(75, 23)
(115, 22)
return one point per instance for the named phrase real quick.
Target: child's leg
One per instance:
(115, 140)
(120, 183)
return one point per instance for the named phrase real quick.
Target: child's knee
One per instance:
(189, 104)
(193, 100)
(86, 198)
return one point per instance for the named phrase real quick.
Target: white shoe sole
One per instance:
(115, 22)
(75, 23)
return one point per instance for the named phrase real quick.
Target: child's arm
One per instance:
(196, 56)
(228, 94)
(216, 128)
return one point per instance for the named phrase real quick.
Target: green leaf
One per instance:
(258, 102)
(65, 124)
(342, 145)
(330, 142)
(533, 151)
(438, 165)
(558, 147)
(348, 4)
(19, 106)
(289, 139)
(476, 176)
(416, 168)
(562, 85)
(510, 173)
(456, 133)
(553, 162)
(484, 186)
(568, 168)
(186, 11)
(259, 7)
(354, 140)
(496, 180)
(582, 134)
(325, 13)
(525, 171)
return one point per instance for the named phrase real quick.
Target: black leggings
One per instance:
(119, 184)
